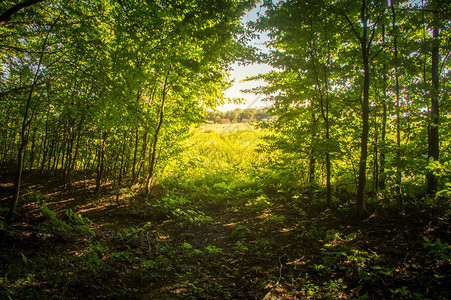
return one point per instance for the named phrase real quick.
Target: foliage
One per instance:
(437, 248)
(443, 172)
(212, 249)
(92, 257)
(343, 71)
(76, 222)
(240, 115)
(103, 101)
(111, 87)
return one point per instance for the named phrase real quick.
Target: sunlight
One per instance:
(120, 178)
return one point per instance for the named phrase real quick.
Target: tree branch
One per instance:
(6, 16)
(373, 32)
(352, 27)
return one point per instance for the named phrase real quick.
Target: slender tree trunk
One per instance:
(311, 178)
(361, 200)
(55, 153)
(324, 106)
(433, 139)
(382, 174)
(23, 135)
(135, 154)
(46, 135)
(157, 131)
(376, 155)
(384, 123)
(33, 148)
(119, 181)
(398, 110)
(100, 163)
(74, 158)
(73, 163)
(87, 164)
(312, 163)
(143, 154)
(60, 164)
(68, 154)
(47, 163)
(326, 121)
(5, 139)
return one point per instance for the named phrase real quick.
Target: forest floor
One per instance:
(275, 246)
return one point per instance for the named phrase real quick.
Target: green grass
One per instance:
(223, 128)
(215, 161)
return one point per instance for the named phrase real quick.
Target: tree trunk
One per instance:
(376, 155)
(100, 164)
(361, 201)
(119, 181)
(398, 110)
(157, 131)
(135, 154)
(55, 153)
(23, 135)
(433, 139)
(326, 121)
(73, 163)
(46, 136)
(143, 155)
(5, 139)
(68, 154)
(312, 162)
(384, 124)
(33, 148)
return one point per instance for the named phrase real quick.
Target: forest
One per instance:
(119, 178)
(239, 115)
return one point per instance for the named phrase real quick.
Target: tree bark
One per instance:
(433, 139)
(312, 163)
(361, 200)
(326, 121)
(24, 136)
(44, 146)
(398, 110)
(6, 16)
(135, 154)
(33, 147)
(100, 164)
(157, 131)
(382, 174)
(119, 181)
(143, 154)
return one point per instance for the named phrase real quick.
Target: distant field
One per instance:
(227, 127)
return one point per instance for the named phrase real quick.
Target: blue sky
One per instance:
(239, 73)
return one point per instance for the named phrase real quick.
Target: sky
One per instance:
(239, 73)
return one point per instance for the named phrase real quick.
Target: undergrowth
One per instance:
(227, 225)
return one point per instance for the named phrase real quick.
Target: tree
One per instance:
(365, 34)
(434, 112)
(96, 75)
(313, 81)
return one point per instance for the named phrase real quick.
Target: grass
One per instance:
(223, 128)
(215, 164)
